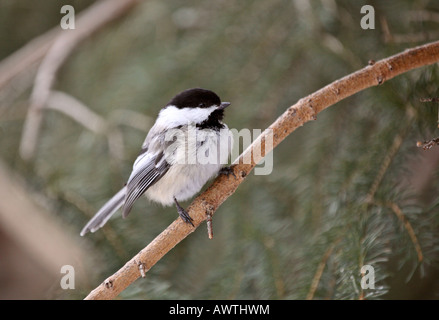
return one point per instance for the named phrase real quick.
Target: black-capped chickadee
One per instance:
(186, 147)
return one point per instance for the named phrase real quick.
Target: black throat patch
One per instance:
(213, 122)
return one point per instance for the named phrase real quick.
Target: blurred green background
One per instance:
(305, 230)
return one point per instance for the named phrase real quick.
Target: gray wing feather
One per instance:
(146, 172)
(148, 168)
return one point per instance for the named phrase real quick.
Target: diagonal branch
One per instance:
(295, 116)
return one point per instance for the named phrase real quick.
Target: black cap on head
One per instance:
(195, 98)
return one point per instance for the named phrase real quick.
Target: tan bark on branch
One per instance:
(304, 110)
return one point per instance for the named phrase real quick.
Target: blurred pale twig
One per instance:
(34, 227)
(76, 110)
(88, 22)
(79, 112)
(25, 58)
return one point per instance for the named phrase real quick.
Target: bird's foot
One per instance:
(183, 213)
(227, 171)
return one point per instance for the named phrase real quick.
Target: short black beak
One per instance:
(223, 105)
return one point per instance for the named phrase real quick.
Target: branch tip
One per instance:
(426, 145)
(434, 99)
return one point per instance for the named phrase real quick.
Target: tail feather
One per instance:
(105, 213)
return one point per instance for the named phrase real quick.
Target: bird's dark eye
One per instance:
(201, 105)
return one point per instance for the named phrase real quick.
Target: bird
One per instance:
(187, 146)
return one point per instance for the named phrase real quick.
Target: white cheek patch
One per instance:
(172, 117)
